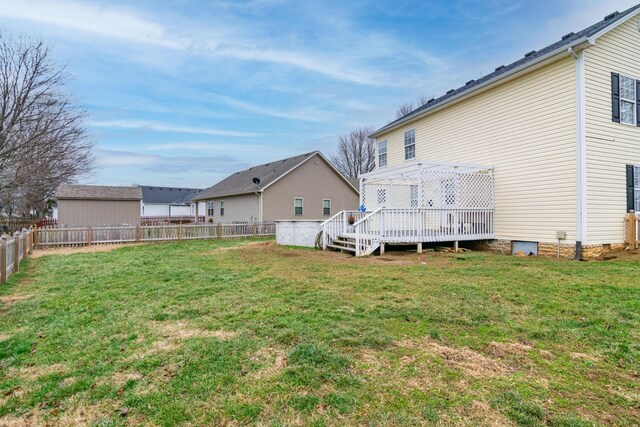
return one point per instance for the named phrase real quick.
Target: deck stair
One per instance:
(343, 243)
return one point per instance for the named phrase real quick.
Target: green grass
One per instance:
(206, 333)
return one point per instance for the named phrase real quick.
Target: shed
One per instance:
(81, 205)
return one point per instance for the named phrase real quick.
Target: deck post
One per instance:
(382, 248)
(455, 246)
(419, 247)
(3, 259)
(16, 252)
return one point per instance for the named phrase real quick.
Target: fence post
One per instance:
(255, 229)
(35, 236)
(219, 230)
(137, 232)
(31, 239)
(24, 244)
(180, 231)
(89, 235)
(3, 259)
(16, 252)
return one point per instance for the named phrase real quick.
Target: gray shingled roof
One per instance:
(168, 195)
(98, 192)
(530, 58)
(242, 182)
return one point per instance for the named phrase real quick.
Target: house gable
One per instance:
(314, 181)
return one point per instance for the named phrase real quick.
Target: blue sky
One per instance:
(183, 93)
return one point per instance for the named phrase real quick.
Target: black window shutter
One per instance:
(615, 97)
(629, 188)
(637, 102)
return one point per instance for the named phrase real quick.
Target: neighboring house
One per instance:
(546, 147)
(81, 205)
(301, 187)
(168, 201)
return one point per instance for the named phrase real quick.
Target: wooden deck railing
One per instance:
(633, 230)
(79, 236)
(13, 250)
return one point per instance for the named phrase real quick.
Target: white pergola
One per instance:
(428, 185)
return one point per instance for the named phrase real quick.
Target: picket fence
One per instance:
(13, 250)
(80, 236)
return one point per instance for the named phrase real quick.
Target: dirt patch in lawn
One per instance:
(32, 373)
(8, 300)
(470, 362)
(182, 330)
(79, 249)
(250, 245)
(273, 361)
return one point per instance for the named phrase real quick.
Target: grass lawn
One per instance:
(246, 332)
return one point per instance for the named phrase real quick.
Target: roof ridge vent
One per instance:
(431, 100)
(469, 82)
(499, 68)
(611, 15)
(528, 54)
(450, 91)
(566, 36)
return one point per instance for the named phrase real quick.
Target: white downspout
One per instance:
(581, 152)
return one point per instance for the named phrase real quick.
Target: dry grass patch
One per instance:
(584, 357)
(471, 362)
(79, 249)
(181, 330)
(480, 413)
(9, 300)
(273, 360)
(32, 373)
(506, 349)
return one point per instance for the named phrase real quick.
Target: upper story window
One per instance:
(210, 208)
(297, 206)
(382, 154)
(625, 99)
(410, 144)
(221, 207)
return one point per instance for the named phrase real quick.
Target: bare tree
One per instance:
(404, 109)
(356, 152)
(408, 107)
(43, 141)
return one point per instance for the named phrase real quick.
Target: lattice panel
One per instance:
(443, 188)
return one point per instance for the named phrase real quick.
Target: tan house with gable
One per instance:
(303, 187)
(547, 147)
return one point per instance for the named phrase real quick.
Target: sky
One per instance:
(182, 93)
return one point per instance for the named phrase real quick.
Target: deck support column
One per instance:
(455, 246)
(382, 248)
(419, 247)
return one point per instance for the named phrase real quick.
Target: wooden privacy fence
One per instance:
(79, 236)
(633, 230)
(13, 250)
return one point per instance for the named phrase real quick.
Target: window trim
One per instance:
(301, 206)
(326, 200)
(633, 101)
(211, 208)
(386, 156)
(221, 207)
(410, 145)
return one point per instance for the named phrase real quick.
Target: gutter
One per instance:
(482, 85)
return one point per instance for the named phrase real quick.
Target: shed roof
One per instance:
(168, 195)
(98, 192)
(529, 59)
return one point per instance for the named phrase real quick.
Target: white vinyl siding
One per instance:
(410, 144)
(526, 130)
(382, 154)
(610, 146)
(627, 100)
(298, 206)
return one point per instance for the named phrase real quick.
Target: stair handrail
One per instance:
(356, 227)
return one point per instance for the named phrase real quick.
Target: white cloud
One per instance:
(161, 127)
(103, 21)
(307, 115)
